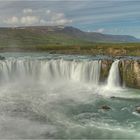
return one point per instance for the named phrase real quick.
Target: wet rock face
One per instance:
(130, 73)
(2, 58)
(105, 67)
(138, 109)
(105, 107)
(137, 72)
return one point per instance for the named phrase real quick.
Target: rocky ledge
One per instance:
(129, 72)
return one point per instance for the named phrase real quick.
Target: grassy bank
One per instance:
(114, 49)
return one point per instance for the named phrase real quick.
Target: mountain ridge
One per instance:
(35, 36)
(74, 29)
(89, 35)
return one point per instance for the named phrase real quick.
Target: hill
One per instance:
(65, 40)
(55, 35)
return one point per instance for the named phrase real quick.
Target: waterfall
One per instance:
(49, 70)
(114, 75)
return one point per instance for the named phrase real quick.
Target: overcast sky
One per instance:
(104, 16)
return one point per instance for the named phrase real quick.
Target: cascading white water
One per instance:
(114, 76)
(46, 70)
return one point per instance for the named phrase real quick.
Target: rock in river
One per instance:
(105, 107)
(2, 58)
(138, 109)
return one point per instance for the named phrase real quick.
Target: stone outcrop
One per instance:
(105, 107)
(2, 58)
(105, 67)
(137, 109)
(129, 72)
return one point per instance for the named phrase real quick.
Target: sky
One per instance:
(103, 16)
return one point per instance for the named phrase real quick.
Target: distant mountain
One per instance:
(98, 37)
(55, 35)
(88, 36)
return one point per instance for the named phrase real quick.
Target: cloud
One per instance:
(44, 17)
(59, 22)
(27, 11)
(25, 20)
(100, 30)
(12, 20)
(57, 18)
(29, 20)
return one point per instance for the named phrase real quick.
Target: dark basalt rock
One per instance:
(105, 107)
(138, 109)
(2, 58)
(130, 73)
(112, 97)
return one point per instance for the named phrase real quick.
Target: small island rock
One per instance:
(138, 109)
(2, 58)
(105, 107)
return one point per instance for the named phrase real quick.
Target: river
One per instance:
(60, 97)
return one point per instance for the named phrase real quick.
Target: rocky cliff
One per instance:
(129, 72)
